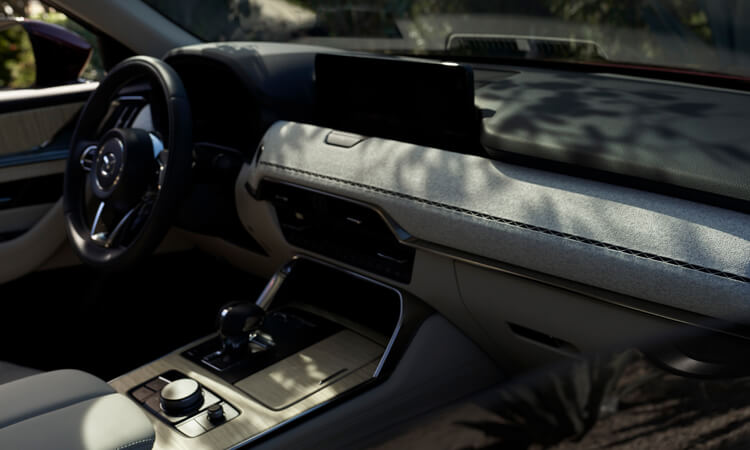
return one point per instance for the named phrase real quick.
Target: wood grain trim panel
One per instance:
(304, 373)
(254, 419)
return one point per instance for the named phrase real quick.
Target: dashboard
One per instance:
(556, 197)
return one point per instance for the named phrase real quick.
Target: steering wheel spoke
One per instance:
(161, 155)
(107, 238)
(89, 152)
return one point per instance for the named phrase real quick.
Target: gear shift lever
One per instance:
(237, 321)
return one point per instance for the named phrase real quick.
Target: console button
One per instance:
(142, 393)
(156, 384)
(229, 412)
(191, 428)
(202, 419)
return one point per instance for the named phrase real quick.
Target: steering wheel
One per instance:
(123, 186)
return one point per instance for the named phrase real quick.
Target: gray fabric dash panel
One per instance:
(617, 248)
(667, 250)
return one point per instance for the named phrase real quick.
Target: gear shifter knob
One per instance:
(236, 322)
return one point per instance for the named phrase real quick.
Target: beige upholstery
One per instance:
(72, 410)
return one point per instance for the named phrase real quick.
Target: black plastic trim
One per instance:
(341, 229)
(31, 191)
(10, 235)
(33, 157)
(647, 72)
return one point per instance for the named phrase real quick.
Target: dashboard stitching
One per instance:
(522, 225)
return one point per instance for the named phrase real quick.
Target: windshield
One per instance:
(697, 35)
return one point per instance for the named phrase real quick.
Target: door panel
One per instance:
(33, 128)
(25, 253)
(35, 131)
(14, 222)
(31, 219)
(12, 173)
(30, 191)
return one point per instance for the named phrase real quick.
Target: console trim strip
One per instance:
(272, 287)
(287, 268)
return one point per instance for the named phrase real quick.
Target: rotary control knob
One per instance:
(181, 397)
(215, 414)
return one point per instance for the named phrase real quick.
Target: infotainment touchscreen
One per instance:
(397, 98)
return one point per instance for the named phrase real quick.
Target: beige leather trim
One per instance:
(15, 173)
(70, 409)
(26, 94)
(46, 231)
(23, 130)
(18, 219)
(44, 246)
(27, 252)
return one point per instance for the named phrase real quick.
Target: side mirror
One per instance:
(60, 54)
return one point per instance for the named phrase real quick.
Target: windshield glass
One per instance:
(698, 35)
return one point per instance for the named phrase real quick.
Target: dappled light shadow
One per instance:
(617, 119)
(656, 410)
(622, 126)
(570, 407)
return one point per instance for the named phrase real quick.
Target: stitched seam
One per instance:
(133, 444)
(522, 225)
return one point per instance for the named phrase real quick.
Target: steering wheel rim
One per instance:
(121, 162)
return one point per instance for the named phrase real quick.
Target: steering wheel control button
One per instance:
(181, 397)
(88, 157)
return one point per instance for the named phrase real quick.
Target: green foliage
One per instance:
(692, 15)
(17, 68)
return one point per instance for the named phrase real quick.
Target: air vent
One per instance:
(509, 46)
(340, 229)
(122, 112)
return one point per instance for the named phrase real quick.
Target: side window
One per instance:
(17, 69)
(41, 47)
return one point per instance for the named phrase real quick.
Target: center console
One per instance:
(317, 335)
